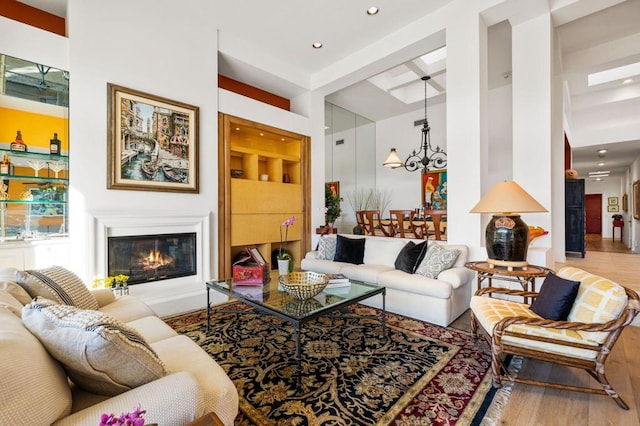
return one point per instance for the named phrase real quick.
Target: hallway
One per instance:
(595, 242)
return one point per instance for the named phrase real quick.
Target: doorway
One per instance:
(593, 207)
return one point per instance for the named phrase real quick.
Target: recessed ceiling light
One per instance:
(317, 45)
(372, 11)
(602, 163)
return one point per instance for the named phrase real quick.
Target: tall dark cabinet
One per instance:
(574, 217)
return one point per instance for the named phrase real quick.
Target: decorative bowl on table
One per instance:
(304, 284)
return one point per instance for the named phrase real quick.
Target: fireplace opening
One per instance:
(146, 258)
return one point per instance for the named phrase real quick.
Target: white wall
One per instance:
(142, 49)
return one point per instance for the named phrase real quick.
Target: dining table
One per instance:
(431, 222)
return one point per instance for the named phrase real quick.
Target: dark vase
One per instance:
(357, 230)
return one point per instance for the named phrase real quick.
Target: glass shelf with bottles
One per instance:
(33, 165)
(33, 194)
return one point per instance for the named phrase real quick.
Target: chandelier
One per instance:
(425, 158)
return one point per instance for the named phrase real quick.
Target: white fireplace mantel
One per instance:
(166, 297)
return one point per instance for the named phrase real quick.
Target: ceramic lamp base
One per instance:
(507, 240)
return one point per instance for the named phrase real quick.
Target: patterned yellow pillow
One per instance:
(599, 300)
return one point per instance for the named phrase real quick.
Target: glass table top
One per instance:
(269, 297)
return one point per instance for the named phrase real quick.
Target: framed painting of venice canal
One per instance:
(153, 142)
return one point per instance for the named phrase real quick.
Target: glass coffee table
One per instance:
(269, 300)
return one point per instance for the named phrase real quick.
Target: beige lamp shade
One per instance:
(393, 161)
(507, 197)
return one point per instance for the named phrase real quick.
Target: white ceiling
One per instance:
(592, 36)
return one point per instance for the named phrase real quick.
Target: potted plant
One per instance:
(331, 206)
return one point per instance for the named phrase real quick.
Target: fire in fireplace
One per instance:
(146, 258)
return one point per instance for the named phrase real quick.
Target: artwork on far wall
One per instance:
(625, 202)
(613, 208)
(153, 142)
(612, 200)
(434, 190)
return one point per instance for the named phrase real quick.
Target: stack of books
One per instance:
(337, 280)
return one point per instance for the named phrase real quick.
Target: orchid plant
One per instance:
(133, 418)
(282, 254)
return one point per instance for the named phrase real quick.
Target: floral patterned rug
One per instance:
(351, 372)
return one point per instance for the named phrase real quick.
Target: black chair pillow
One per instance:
(555, 298)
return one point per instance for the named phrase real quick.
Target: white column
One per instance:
(466, 127)
(532, 58)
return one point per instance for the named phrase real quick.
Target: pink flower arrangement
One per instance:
(129, 419)
(282, 255)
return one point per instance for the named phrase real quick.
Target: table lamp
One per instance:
(507, 236)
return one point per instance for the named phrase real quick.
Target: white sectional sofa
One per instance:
(439, 301)
(35, 386)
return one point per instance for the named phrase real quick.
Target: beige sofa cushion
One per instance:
(16, 290)
(100, 353)
(9, 301)
(34, 387)
(180, 353)
(58, 284)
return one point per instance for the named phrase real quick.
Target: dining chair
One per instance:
(436, 219)
(387, 226)
(401, 219)
(367, 222)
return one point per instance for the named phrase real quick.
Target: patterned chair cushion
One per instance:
(599, 300)
(489, 311)
(99, 353)
(437, 260)
(58, 284)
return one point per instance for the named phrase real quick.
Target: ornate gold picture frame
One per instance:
(153, 142)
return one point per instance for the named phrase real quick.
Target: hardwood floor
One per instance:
(533, 405)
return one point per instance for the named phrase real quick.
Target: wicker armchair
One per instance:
(512, 328)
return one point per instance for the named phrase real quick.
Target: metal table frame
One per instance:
(298, 322)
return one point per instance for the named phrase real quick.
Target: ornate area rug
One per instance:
(351, 372)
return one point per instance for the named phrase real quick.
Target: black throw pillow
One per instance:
(349, 250)
(555, 298)
(410, 256)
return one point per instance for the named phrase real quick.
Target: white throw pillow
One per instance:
(327, 247)
(437, 260)
(99, 353)
(58, 284)
(382, 251)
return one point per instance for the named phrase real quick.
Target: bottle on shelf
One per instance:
(5, 165)
(54, 145)
(18, 144)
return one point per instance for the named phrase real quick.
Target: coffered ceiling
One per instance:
(594, 36)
